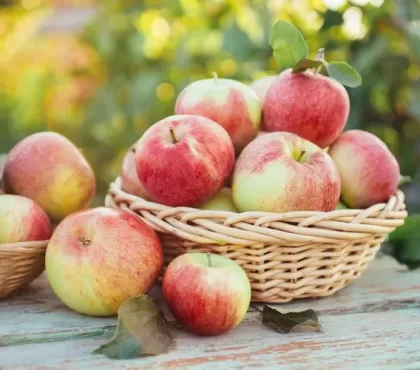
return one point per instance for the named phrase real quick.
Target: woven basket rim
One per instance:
(247, 228)
(29, 247)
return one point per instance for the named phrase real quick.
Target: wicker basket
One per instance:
(20, 263)
(286, 256)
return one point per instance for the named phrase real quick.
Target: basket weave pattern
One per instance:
(20, 264)
(286, 255)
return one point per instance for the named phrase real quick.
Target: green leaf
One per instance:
(288, 44)
(286, 322)
(344, 73)
(306, 63)
(142, 330)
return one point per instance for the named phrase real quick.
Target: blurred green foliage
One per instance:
(103, 87)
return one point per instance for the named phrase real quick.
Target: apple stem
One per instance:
(302, 153)
(209, 258)
(215, 77)
(133, 149)
(85, 242)
(171, 130)
(320, 55)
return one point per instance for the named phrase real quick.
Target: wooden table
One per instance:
(372, 324)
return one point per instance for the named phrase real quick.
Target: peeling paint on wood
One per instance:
(374, 323)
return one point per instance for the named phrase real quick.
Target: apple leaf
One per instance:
(142, 330)
(306, 63)
(286, 322)
(289, 46)
(344, 73)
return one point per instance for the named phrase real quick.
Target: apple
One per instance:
(369, 171)
(51, 170)
(230, 103)
(22, 220)
(261, 86)
(341, 205)
(312, 106)
(184, 160)
(208, 294)
(280, 172)
(221, 202)
(130, 182)
(99, 257)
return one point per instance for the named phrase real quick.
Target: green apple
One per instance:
(221, 202)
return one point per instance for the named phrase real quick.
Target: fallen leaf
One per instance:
(142, 330)
(286, 322)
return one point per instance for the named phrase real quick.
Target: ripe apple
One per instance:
(230, 103)
(184, 160)
(280, 172)
(22, 220)
(99, 257)
(221, 202)
(261, 86)
(208, 294)
(130, 182)
(51, 170)
(314, 107)
(369, 171)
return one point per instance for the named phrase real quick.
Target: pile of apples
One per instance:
(277, 145)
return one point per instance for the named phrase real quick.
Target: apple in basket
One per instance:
(230, 103)
(51, 170)
(280, 172)
(221, 202)
(22, 220)
(184, 160)
(369, 172)
(315, 107)
(208, 294)
(97, 258)
(261, 86)
(130, 182)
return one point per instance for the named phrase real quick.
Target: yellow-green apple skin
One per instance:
(261, 86)
(341, 205)
(369, 172)
(130, 182)
(48, 168)
(208, 294)
(230, 103)
(280, 172)
(22, 220)
(221, 202)
(97, 258)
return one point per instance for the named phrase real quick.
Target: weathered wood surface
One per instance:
(372, 324)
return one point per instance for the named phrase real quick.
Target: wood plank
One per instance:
(374, 340)
(386, 285)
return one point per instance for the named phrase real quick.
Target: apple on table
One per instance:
(97, 258)
(208, 294)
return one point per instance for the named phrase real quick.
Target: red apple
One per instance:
(51, 170)
(280, 172)
(184, 160)
(130, 182)
(97, 258)
(208, 294)
(22, 220)
(230, 103)
(369, 171)
(314, 107)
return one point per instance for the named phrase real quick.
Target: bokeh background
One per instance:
(100, 72)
